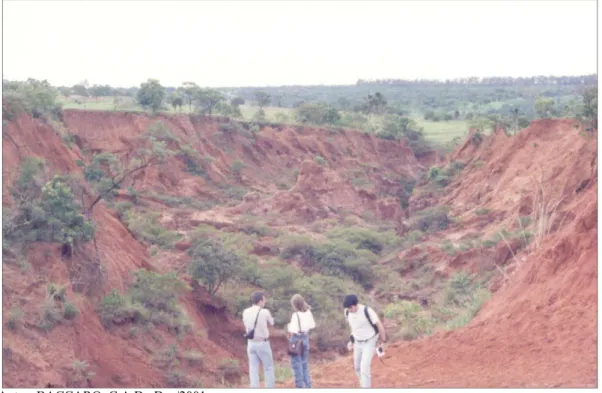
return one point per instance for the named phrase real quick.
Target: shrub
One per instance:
(122, 208)
(45, 213)
(236, 167)
(431, 219)
(296, 245)
(476, 138)
(256, 229)
(194, 358)
(157, 291)
(50, 315)
(226, 127)
(110, 307)
(147, 227)
(365, 239)
(176, 378)
(336, 258)
(320, 160)
(411, 315)
(167, 357)
(80, 372)
(191, 159)
(32, 96)
(213, 264)
(69, 311)
(459, 289)
(482, 211)
(230, 370)
(415, 235)
(56, 292)
(161, 132)
(489, 243)
(153, 297)
(14, 318)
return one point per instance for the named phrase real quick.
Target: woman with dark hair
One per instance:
(302, 321)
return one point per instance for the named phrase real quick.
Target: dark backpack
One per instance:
(367, 317)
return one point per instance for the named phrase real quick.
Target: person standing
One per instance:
(302, 321)
(256, 319)
(366, 328)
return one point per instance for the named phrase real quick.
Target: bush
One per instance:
(122, 208)
(32, 96)
(153, 297)
(337, 258)
(191, 159)
(194, 358)
(412, 317)
(157, 291)
(15, 317)
(48, 212)
(110, 308)
(50, 315)
(320, 161)
(229, 370)
(236, 167)
(317, 113)
(459, 289)
(69, 311)
(176, 378)
(365, 239)
(147, 227)
(80, 372)
(213, 264)
(476, 138)
(161, 132)
(482, 211)
(430, 220)
(56, 292)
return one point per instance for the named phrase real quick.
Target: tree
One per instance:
(544, 107)
(80, 90)
(213, 264)
(36, 97)
(312, 112)
(237, 101)
(207, 99)
(374, 104)
(590, 104)
(262, 98)
(176, 102)
(223, 108)
(344, 103)
(190, 91)
(106, 173)
(44, 210)
(259, 116)
(331, 116)
(151, 95)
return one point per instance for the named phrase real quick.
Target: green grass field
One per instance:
(440, 132)
(443, 131)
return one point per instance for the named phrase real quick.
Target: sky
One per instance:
(270, 43)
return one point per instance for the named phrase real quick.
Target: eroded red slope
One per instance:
(540, 328)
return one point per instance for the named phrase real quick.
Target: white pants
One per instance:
(362, 358)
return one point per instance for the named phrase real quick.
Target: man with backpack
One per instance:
(366, 328)
(256, 319)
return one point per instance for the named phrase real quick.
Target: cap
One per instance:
(350, 300)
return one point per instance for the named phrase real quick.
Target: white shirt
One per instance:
(265, 317)
(305, 318)
(360, 326)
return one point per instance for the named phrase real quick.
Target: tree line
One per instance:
(591, 79)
